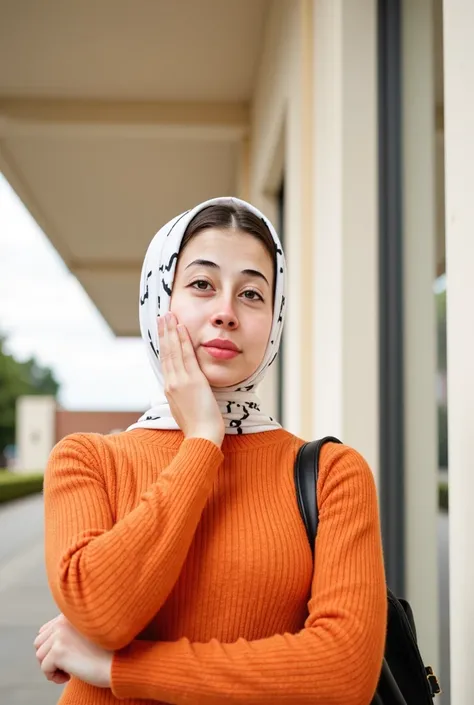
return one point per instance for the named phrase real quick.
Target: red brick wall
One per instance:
(93, 421)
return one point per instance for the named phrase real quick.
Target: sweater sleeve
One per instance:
(110, 579)
(336, 658)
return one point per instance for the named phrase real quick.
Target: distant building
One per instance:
(41, 423)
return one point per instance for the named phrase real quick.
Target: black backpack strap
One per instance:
(306, 481)
(402, 668)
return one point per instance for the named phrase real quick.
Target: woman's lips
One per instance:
(221, 353)
(221, 348)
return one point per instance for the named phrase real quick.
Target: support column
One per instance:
(419, 269)
(459, 179)
(345, 197)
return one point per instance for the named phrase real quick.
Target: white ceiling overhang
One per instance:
(116, 115)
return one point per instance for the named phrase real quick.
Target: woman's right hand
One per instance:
(192, 402)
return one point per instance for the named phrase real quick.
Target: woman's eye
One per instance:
(252, 295)
(200, 284)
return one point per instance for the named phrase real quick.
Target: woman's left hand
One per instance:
(63, 652)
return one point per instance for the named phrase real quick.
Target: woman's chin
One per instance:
(221, 381)
(220, 376)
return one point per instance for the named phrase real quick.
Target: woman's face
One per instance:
(223, 290)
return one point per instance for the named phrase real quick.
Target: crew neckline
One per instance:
(231, 442)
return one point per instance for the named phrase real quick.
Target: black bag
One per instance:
(404, 680)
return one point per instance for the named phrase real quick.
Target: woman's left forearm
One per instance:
(313, 667)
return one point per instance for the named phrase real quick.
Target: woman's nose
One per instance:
(225, 318)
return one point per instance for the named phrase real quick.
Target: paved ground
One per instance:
(25, 604)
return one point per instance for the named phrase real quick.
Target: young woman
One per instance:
(175, 550)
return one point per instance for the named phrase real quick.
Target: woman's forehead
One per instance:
(229, 248)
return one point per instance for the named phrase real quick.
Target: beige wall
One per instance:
(280, 135)
(35, 417)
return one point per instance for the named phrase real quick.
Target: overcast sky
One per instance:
(45, 313)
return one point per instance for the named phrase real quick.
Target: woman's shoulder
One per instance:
(335, 458)
(342, 466)
(78, 444)
(81, 452)
(84, 444)
(100, 457)
(103, 447)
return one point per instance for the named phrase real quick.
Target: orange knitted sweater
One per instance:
(191, 562)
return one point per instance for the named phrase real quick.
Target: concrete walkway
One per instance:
(25, 604)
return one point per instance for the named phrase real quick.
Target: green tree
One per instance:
(17, 379)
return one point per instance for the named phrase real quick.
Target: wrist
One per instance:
(208, 435)
(104, 678)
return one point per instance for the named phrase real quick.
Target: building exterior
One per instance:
(41, 423)
(347, 123)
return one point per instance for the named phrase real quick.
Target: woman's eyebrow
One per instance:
(208, 263)
(254, 273)
(203, 263)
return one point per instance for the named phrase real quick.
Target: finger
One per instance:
(49, 665)
(59, 677)
(43, 636)
(174, 342)
(48, 624)
(165, 346)
(161, 331)
(45, 648)
(172, 361)
(189, 356)
(163, 343)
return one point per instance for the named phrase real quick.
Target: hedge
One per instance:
(14, 485)
(443, 496)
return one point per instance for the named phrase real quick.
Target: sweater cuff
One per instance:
(203, 453)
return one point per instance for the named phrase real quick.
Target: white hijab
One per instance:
(239, 405)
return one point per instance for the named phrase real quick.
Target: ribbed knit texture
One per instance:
(192, 563)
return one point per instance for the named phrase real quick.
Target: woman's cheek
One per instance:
(182, 307)
(262, 331)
